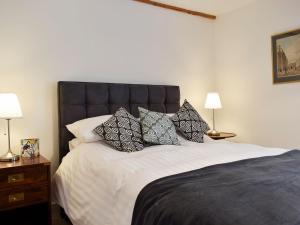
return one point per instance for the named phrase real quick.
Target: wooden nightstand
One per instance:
(223, 135)
(25, 192)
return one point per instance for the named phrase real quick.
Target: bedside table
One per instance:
(25, 192)
(223, 135)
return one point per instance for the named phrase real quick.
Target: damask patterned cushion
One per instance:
(122, 131)
(188, 121)
(157, 128)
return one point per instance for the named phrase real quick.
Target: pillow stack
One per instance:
(126, 133)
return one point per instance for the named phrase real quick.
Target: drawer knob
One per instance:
(14, 178)
(16, 197)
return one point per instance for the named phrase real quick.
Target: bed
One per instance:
(233, 183)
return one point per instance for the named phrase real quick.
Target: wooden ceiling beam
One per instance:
(178, 9)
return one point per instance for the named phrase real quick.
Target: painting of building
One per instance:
(286, 57)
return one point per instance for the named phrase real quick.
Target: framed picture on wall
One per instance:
(286, 57)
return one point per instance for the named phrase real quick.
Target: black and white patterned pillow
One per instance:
(157, 128)
(188, 121)
(122, 131)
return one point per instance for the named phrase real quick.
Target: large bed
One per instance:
(210, 183)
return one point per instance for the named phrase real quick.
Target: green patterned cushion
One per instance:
(157, 128)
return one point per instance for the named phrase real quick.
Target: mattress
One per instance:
(97, 185)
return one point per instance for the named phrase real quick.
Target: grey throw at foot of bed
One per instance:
(260, 191)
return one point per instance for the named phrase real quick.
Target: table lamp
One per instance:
(213, 102)
(9, 109)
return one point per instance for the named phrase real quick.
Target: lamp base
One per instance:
(213, 133)
(9, 157)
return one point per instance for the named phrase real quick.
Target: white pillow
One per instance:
(74, 143)
(83, 129)
(207, 139)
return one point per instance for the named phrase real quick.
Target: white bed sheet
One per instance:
(98, 186)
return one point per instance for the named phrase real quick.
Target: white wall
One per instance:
(42, 42)
(258, 111)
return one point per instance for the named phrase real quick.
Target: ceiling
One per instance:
(215, 7)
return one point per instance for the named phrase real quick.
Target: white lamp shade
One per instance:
(213, 101)
(9, 106)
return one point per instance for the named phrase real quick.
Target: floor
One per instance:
(57, 219)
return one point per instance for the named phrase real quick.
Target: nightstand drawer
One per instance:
(16, 176)
(16, 197)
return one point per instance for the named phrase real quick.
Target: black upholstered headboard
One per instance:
(79, 100)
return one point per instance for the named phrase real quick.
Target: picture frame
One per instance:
(286, 57)
(30, 147)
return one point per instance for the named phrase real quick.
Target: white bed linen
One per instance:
(98, 186)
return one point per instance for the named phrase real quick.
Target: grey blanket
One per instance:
(260, 191)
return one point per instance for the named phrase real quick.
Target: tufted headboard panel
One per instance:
(79, 100)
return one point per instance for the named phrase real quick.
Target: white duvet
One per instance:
(97, 185)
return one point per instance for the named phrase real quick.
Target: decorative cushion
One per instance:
(188, 121)
(157, 128)
(122, 131)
